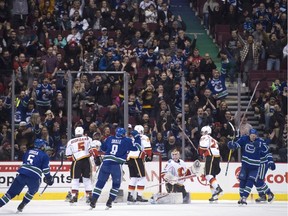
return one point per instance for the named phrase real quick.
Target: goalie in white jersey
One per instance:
(79, 150)
(175, 173)
(209, 149)
(136, 166)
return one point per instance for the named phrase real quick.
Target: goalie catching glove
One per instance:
(48, 180)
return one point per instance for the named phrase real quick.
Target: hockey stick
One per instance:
(181, 178)
(230, 152)
(183, 130)
(61, 164)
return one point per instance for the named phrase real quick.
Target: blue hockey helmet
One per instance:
(120, 132)
(39, 143)
(253, 131)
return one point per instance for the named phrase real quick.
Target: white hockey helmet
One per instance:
(96, 143)
(79, 131)
(140, 129)
(206, 130)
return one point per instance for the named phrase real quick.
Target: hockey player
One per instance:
(252, 147)
(173, 174)
(115, 150)
(266, 162)
(136, 164)
(35, 162)
(79, 150)
(209, 149)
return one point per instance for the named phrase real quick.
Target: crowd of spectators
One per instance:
(41, 41)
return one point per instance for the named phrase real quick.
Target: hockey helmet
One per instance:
(206, 130)
(96, 143)
(120, 132)
(253, 131)
(140, 129)
(79, 131)
(40, 143)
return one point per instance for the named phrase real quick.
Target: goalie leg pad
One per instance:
(167, 198)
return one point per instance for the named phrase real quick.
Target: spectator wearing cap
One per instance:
(103, 38)
(140, 50)
(22, 136)
(64, 22)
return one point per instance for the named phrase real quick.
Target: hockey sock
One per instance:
(88, 184)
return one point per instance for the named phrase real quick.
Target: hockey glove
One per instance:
(272, 166)
(49, 180)
(135, 134)
(231, 145)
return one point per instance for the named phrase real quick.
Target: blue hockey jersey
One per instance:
(251, 151)
(116, 149)
(35, 162)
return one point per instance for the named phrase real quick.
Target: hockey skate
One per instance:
(270, 197)
(130, 199)
(68, 197)
(140, 199)
(109, 203)
(186, 199)
(261, 199)
(88, 199)
(74, 199)
(242, 201)
(21, 207)
(216, 194)
(93, 203)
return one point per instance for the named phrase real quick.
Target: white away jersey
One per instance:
(208, 146)
(78, 147)
(145, 146)
(177, 169)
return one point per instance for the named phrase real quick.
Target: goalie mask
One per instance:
(175, 155)
(206, 130)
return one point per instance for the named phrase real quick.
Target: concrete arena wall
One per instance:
(197, 186)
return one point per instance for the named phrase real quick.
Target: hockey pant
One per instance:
(176, 188)
(261, 186)
(17, 186)
(248, 177)
(105, 171)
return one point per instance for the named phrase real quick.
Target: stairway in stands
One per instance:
(232, 102)
(205, 44)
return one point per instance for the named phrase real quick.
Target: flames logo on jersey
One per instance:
(237, 172)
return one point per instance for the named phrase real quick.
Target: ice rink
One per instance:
(196, 208)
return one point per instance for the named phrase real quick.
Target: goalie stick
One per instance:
(61, 164)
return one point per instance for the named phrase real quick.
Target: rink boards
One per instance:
(197, 186)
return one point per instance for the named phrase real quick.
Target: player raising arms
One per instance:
(136, 166)
(208, 148)
(35, 162)
(252, 148)
(79, 150)
(115, 149)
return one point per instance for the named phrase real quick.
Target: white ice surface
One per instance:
(196, 208)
